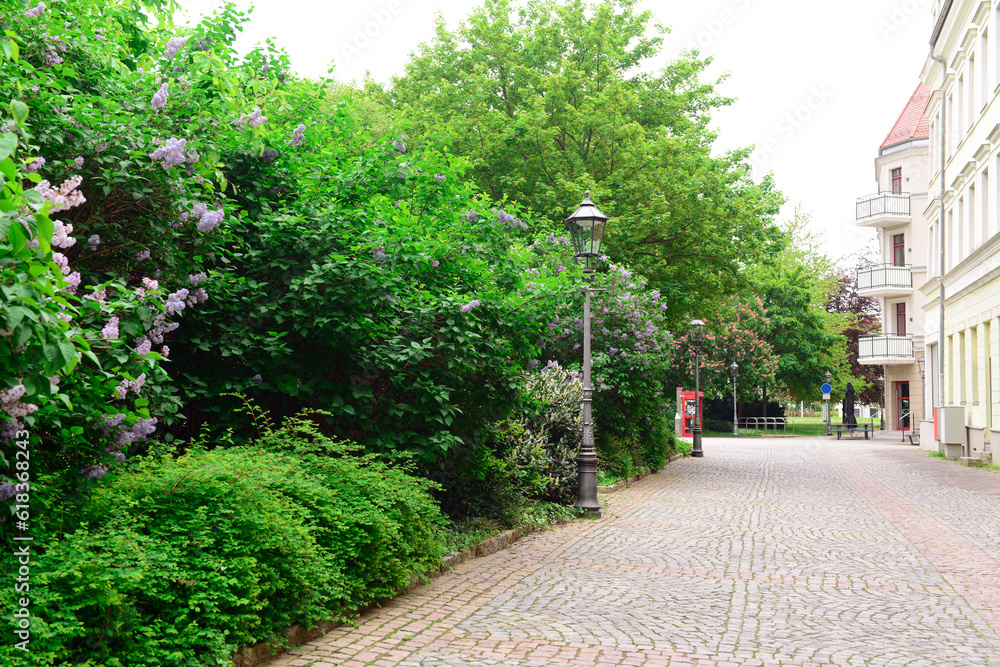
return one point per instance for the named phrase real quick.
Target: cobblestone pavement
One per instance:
(790, 551)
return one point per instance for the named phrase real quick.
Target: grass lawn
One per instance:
(798, 426)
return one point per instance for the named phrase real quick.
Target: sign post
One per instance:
(826, 389)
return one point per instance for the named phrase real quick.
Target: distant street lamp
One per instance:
(734, 369)
(829, 431)
(697, 337)
(586, 227)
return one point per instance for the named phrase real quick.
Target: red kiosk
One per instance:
(687, 400)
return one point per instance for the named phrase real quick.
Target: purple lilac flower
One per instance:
(435, 263)
(399, 145)
(99, 35)
(196, 278)
(160, 97)
(173, 46)
(60, 260)
(110, 330)
(472, 216)
(78, 162)
(175, 302)
(74, 282)
(165, 351)
(35, 165)
(35, 11)
(469, 306)
(7, 490)
(9, 430)
(170, 153)
(549, 366)
(61, 235)
(210, 220)
(92, 471)
(252, 119)
(143, 347)
(297, 136)
(439, 177)
(379, 253)
(142, 256)
(533, 363)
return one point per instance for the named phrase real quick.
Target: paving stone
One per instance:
(766, 552)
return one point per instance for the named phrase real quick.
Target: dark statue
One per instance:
(849, 418)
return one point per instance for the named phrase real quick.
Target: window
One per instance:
(972, 91)
(898, 250)
(897, 181)
(901, 319)
(984, 69)
(984, 214)
(971, 239)
(960, 112)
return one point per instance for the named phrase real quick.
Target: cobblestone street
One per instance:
(791, 551)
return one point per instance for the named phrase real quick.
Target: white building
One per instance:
(963, 76)
(896, 212)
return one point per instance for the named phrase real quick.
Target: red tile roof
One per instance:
(912, 123)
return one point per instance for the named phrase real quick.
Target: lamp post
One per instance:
(923, 388)
(734, 369)
(586, 227)
(881, 402)
(697, 337)
(829, 431)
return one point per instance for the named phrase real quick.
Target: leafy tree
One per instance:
(862, 314)
(548, 99)
(804, 334)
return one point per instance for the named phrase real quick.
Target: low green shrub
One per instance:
(183, 560)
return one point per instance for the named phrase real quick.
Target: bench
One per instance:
(851, 428)
(914, 438)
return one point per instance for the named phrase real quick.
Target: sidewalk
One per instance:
(806, 551)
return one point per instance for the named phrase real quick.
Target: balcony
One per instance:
(885, 280)
(884, 209)
(891, 349)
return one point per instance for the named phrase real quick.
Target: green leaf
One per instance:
(8, 143)
(19, 110)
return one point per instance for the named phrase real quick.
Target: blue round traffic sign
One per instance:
(826, 388)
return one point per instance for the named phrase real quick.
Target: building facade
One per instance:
(896, 212)
(962, 75)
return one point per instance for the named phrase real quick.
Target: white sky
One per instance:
(854, 62)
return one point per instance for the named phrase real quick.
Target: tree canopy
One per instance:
(549, 99)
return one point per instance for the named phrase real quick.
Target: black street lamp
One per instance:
(697, 337)
(586, 227)
(734, 369)
(829, 431)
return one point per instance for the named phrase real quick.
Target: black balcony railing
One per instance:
(884, 203)
(882, 276)
(885, 345)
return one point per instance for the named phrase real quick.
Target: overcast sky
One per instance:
(819, 84)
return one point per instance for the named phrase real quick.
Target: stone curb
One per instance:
(625, 483)
(298, 634)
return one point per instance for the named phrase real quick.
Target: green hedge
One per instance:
(185, 559)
